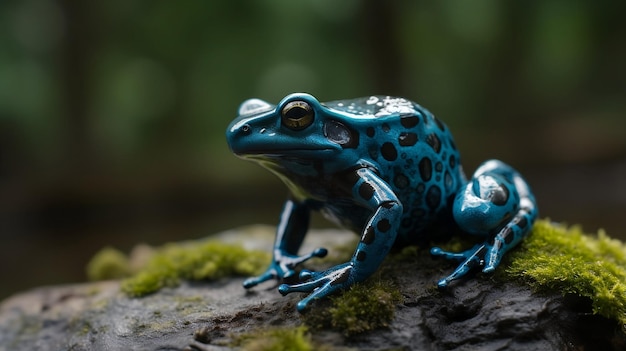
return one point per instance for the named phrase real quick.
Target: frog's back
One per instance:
(414, 153)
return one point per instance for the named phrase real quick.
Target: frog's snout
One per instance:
(251, 113)
(238, 128)
(244, 129)
(237, 131)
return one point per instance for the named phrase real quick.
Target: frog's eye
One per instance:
(297, 115)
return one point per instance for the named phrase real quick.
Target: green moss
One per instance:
(364, 307)
(277, 339)
(108, 263)
(556, 258)
(194, 261)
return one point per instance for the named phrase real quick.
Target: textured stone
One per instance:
(475, 314)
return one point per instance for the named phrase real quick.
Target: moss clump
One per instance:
(167, 265)
(194, 261)
(108, 263)
(364, 307)
(556, 258)
(278, 339)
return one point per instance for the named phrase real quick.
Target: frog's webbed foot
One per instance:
(283, 267)
(469, 259)
(321, 284)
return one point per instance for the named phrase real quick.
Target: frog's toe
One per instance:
(436, 251)
(305, 287)
(493, 258)
(285, 289)
(443, 283)
(321, 284)
(306, 274)
(318, 288)
(489, 270)
(302, 305)
(491, 264)
(319, 252)
(454, 256)
(315, 295)
(471, 259)
(254, 281)
(461, 271)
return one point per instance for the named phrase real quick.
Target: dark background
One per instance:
(112, 113)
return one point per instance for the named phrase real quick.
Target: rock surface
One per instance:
(475, 314)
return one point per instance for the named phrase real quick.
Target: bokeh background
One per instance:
(112, 113)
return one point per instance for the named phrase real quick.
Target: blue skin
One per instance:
(384, 167)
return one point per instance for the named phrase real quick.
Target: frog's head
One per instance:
(297, 130)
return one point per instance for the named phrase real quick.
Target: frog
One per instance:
(385, 168)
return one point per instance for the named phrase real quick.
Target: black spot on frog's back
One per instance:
(407, 139)
(409, 121)
(389, 152)
(426, 168)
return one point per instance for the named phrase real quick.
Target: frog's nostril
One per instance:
(245, 129)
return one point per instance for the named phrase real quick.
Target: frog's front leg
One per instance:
(291, 230)
(496, 204)
(377, 238)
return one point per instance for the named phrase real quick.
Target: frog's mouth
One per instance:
(273, 149)
(291, 153)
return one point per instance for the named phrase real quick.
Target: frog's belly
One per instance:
(413, 226)
(346, 214)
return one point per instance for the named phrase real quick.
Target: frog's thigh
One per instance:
(487, 202)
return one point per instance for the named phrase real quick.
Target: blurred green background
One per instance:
(112, 113)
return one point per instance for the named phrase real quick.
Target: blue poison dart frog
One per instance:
(385, 168)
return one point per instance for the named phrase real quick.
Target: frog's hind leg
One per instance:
(512, 233)
(496, 204)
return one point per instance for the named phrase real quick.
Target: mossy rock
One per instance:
(554, 258)
(168, 265)
(565, 260)
(560, 289)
